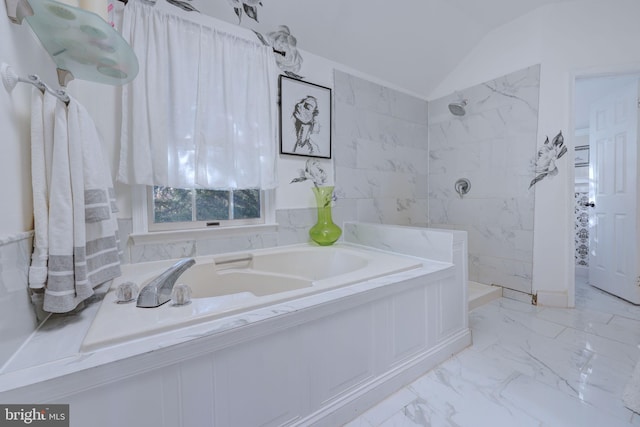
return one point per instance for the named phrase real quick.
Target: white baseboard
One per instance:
(553, 299)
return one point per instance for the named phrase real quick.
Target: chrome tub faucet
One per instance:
(158, 291)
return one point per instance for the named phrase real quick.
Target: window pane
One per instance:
(212, 205)
(246, 204)
(171, 204)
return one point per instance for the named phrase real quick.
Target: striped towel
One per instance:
(83, 237)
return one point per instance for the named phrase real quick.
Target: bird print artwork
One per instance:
(548, 154)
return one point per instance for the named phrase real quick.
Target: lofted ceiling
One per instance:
(411, 44)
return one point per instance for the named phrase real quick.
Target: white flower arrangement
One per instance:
(312, 171)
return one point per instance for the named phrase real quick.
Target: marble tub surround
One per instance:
(415, 241)
(529, 366)
(448, 246)
(291, 227)
(492, 146)
(388, 330)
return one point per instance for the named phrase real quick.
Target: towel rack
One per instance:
(81, 43)
(10, 79)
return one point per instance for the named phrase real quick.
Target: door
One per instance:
(613, 228)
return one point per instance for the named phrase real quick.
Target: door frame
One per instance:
(593, 72)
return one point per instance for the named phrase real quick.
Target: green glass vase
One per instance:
(324, 232)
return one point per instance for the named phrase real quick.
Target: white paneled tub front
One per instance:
(315, 337)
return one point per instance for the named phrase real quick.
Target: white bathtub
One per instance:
(232, 283)
(323, 335)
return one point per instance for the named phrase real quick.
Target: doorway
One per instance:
(602, 222)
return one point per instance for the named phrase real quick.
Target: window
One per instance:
(175, 208)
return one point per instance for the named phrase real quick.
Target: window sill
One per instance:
(199, 233)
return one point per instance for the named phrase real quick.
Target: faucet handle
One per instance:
(181, 294)
(126, 292)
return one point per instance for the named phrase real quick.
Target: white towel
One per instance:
(82, 237)
(99, 230)
(42, 114)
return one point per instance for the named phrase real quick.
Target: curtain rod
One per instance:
(279, 52)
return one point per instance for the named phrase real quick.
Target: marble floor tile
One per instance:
(386, 409)
(528, 365)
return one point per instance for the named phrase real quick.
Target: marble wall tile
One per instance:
(491, 145)
(385, 171)
(345, 152)
(345, 210)
(352, 183)
(409, 108)
(125, 228)
(500, 243)
(506, 272)
(17, 315)
(346, 120)
(393, 211)
(236, 243)
(160, 251)
(375, 126)
(378, 211)
(293, 225)
(368, 95)
(415, 186)
(346, 94)
(423, 243)
(390, 157)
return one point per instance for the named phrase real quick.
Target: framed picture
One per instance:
(305, 118)
(582, 156)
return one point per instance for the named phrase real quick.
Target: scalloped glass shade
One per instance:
(324, 232)
(82, 43)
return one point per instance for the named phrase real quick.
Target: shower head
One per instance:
(457, 108)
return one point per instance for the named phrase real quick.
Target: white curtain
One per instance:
(202, 110)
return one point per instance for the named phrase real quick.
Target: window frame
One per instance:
(142, 216)
(153, 226)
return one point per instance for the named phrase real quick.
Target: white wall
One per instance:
(567, 39)
(20, 49)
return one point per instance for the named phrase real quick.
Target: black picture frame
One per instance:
(305, 118)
